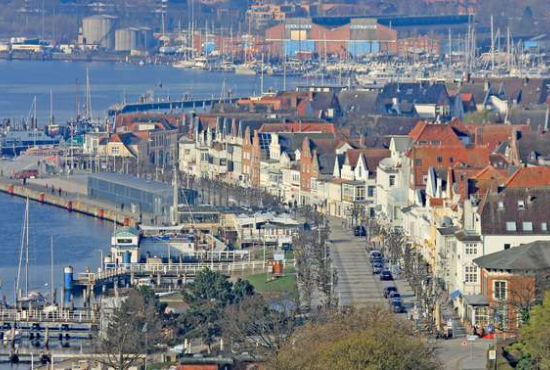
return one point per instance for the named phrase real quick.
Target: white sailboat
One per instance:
(24, 297)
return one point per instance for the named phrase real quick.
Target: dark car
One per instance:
(394, 295)
(360, 231)
(374, 255)
(388, 290)
(386, 275)
(397, 306)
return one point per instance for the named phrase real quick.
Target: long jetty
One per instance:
(69, 201)
(167, 105)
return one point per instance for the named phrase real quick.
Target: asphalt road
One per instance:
(356, 283)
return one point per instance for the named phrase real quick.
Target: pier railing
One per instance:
(35, 315)
(113, 271)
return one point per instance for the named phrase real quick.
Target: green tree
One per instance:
(208, 296)
(535, 335)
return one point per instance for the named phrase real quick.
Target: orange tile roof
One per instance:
(530, 177)
(444, 134)
(298, 127)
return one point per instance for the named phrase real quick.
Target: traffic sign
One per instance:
(492, 354)
(464, 343)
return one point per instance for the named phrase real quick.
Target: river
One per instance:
(21, 81)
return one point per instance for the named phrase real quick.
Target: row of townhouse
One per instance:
(302, 162)
(458, 196)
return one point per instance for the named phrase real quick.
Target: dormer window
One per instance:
(521, 204)
(527, 226)
(501, 205)
(544, 226)
(511, 226)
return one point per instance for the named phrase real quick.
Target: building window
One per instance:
(371, 191)
(361, 193)
(392, 180)
(471, 249)
(439, 159)
(511, 226)
(418, 162)
(527, 226)
(451, 159)
(115, 150)
(544, 226)
(500, 205)
(506, 246)
(521, 204)
(470, 274)
(499, 290)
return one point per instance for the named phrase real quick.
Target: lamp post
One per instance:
(101, 262)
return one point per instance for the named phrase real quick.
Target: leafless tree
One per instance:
(131, 330)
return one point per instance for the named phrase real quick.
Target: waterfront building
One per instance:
(153, 200)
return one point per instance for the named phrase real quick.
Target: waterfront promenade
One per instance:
(71, 200)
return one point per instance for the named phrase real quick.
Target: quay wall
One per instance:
(76, 204)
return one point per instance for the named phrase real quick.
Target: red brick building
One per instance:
(512, 282)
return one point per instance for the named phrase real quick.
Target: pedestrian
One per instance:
(59, 191)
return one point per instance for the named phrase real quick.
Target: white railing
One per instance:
(174, 268)
(54, 316)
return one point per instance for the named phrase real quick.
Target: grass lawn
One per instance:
(279, 286)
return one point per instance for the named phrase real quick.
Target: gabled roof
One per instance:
(526, 257)
(371, 156)
(411, 93)
(443, 134)
(517, 206)
(533, 145)
(530, 177)
(298, 127)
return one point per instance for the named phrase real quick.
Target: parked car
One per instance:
(374, 255)
(377, 269)
(388, 290)
(397, 306)
(360, 231)
(393, 295)
(386, 275)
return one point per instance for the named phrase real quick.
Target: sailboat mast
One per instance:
(51, 271)
(27, 249)
(51, 108)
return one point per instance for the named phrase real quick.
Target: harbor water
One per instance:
(21, 81)
(77, 241)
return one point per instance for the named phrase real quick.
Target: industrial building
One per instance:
(328, 37)
(133, 39)
(99, 30)
(361, 36)
(149, 198)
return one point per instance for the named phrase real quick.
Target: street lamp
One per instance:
(101, 262)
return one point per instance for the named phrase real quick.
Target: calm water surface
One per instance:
(20, 81)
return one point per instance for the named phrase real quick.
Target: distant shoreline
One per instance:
(88, 58)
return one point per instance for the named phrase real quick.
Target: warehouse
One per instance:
(325, 37)
(152, 198)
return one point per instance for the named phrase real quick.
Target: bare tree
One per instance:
(131, 330)
(255, 327)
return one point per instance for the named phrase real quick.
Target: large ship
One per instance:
(14, 142)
